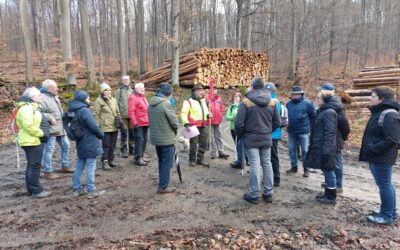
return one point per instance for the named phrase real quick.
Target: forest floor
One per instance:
(207, 211)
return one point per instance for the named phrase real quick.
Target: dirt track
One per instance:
(208, 204)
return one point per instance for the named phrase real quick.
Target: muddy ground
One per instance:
(207, 211)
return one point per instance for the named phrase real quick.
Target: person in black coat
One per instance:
(380, 147)
(323, 144)
(88, 146)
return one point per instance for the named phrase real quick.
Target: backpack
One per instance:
(382, 118)
(12, 122)
(284, 116)
(71, 126)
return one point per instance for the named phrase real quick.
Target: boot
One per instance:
(329, 197)
(140, 162)
(145, 159)
(104, 165)
(131, 150)
(124, 152)
(223, 155)
(113, 164)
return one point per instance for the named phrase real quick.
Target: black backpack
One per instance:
(71, 126)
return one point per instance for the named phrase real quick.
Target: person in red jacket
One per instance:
(216, 107)
(137, 108)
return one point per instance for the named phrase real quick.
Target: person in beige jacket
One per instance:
(105, 111)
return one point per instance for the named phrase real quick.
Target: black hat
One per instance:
(166, 89)
(296, 90)
(197, 86)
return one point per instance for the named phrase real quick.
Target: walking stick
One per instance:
(211, 97)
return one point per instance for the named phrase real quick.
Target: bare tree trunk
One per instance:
(66, 40)
(239, 23)
(175, 11)
(87, 43)
(332, 33)
(154, 27)
(247, 35)
(56, 18)
(378, 18)
(121, 38)
(212, 25)
(42, 30)
(27, 41)
(127, 35)
(97, 23)
(293, 51)
(1, 20)
(141, 38)
(35, 24)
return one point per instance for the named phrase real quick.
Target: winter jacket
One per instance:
(301, 113)
(121, 95)
(277, 134)
(343, 130)
(217, 108)
(194, 112)
(137, 107)
(231, 115)
(50, 106)
(163, 123)
(322, 150)
(105, 112)
(379, 144)
(257, 117)
(89, 145)
(28, 122)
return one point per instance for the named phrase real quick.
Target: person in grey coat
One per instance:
(51, 108)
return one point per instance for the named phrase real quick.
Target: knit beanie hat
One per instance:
(80, 95)
(104, 86)
(166, 89)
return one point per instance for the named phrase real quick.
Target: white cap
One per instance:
(125, 77)
(32, 91)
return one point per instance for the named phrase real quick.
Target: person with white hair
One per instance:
(29, 120)
(51, 108)
(137, 108)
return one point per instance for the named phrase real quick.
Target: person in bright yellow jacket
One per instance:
(28, 122)
(195, 113)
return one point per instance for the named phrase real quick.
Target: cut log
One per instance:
(359, 92)
(378, 72)
(361, 98)
(380, 79)
(358, 105)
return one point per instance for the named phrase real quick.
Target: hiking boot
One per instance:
(113, 164)
(202, 163)
(378, 219)
(42, 194)
(267, 198)
(104, 165)
(76, 194)
(95, 194)
(376, 213)
(140, 162)
(124, 152)
(339, 190)
(306, 173)
(291, 171)
(329, 197)
(247, 198)
(165, 190)
(51, 176)
(145, 159)
(192, 164)
(236, 165)
(131, 150)
(67, 170)
(223, 155)
(277, 183)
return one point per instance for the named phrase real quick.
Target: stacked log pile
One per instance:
(230, 67)
(371, 77)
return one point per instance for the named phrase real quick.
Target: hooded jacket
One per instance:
(89, 145)
(105, 111)
(28, 122)
(137, 108)
(121, 95)
(301, 113)
(51, 108)
(231, 115)
(257, 117)
(216, 108)
(163, 123)
(277, 133)
(379, 143)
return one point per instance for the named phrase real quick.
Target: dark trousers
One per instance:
(275, 161)
(34, 156)
(140, 141)
(198, 145)
(109, 142)
(165, 156)
(239, 148)
(127, 135)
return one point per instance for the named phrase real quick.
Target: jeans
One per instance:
(126, 133)
(330, 178)
(260, 157)
(275, 160)
(90, 169)
(109, 142)
(49, 150)
(34, 159)
(141, 135)
(239, 147)
(165, 156)
(339, 170)
(294, 140)
(201, 140)
(382, 174)
(216, 140)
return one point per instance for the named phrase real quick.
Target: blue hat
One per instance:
(327, 86)
(166, 89)
(270, 86)
(80, 95)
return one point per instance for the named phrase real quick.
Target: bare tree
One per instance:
(127, 35)
(42, 35)
(239, 23)
(66, 40)
(87, 42)
(34, 6)
(27, 41)
(121, 38)
(100, 49)
(140, 38)
(175, 10)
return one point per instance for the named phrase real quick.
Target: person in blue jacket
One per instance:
(88, 147)
(276, 136)
(301, 113)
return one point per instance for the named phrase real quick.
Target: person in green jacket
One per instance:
(163, 125)
(231, 116)
(105, 111)
(28, 122)
(122, 95)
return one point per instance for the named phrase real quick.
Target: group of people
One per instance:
(256, 123)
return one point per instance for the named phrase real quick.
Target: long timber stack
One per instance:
(230, 67)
